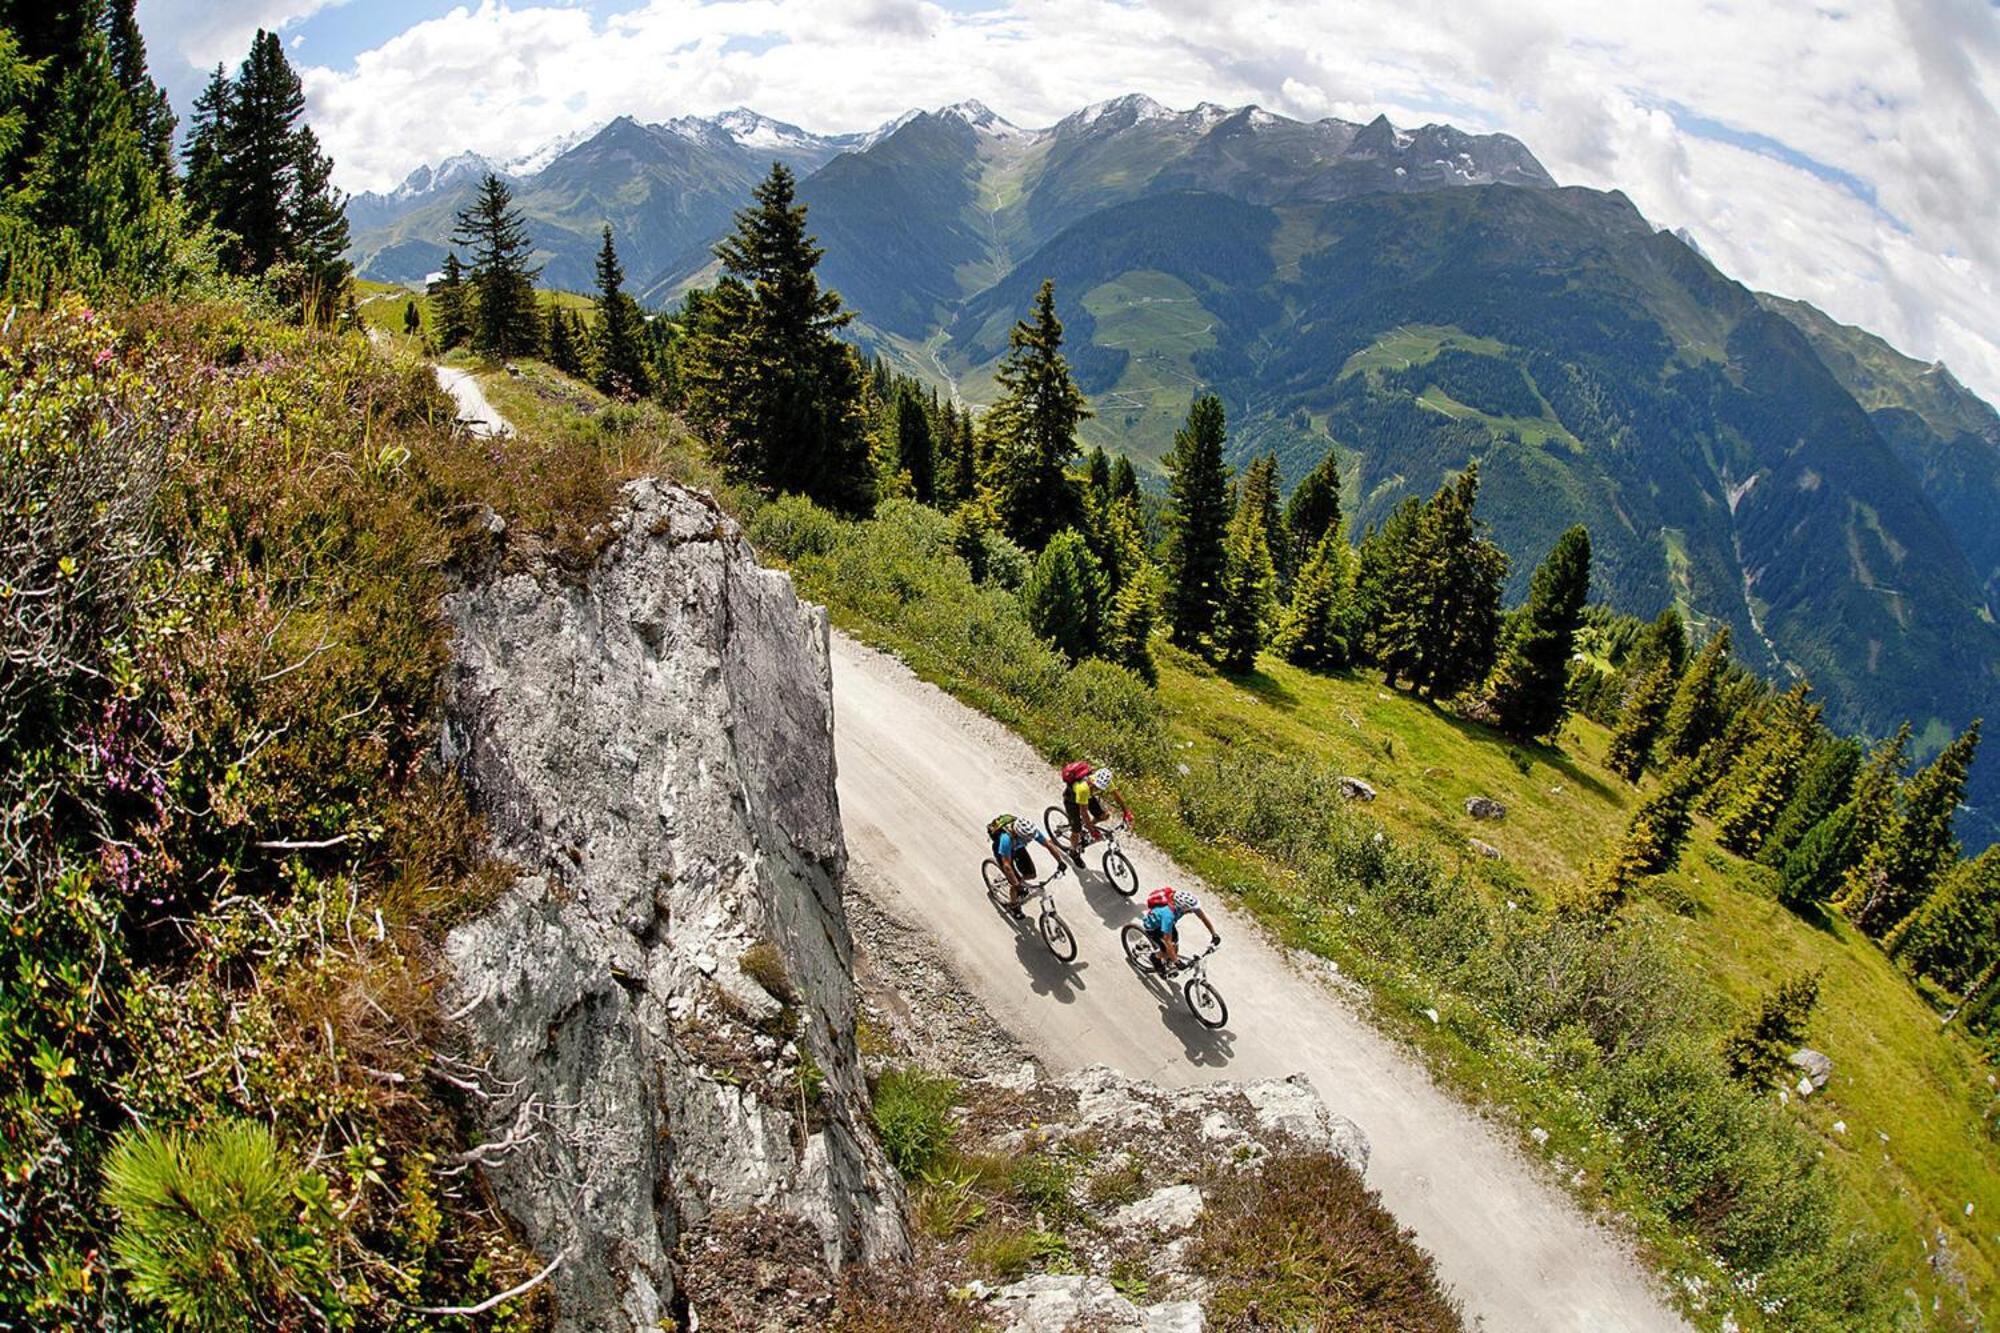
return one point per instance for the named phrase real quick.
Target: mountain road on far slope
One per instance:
(919, 776)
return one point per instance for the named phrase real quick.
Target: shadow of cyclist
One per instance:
(1047, 974)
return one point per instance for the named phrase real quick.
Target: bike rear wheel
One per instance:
(1119, 870)
(996, 883)
(1056, 934)
(1205, 1003)
(1056, 824)
(1138, 949)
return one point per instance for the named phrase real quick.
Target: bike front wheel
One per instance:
(1056, 934)
(1119, 870)
(1205, 1003)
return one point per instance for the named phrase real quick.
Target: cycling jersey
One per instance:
(1161, 921)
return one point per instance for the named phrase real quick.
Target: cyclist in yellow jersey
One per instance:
(1083, 803)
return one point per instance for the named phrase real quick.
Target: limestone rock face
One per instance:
(668, 986)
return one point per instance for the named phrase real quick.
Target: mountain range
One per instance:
(1410, 299)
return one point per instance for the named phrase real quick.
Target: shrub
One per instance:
(1303, 1243)
(1008, 1252)
(792, 527)
(913, 1116)
(1757, 1051)
(762, 963)
(219, 1230)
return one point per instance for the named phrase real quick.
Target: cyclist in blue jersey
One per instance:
(1010, 836)
(1164, 909)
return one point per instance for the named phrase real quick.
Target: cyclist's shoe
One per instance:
(1161, 965)
(1018, 911)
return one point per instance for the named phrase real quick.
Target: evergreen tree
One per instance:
(1440, 627)
(765, 373)
(317, 236)
(565, 344)
(1529, 694)
(506, 320)
(1695, 718)
(1955, 936)
(1761, 785)
(620, 338)
(1639, 721)
(413, 322)
(260, 157)
(1197, 526)
(452, 305)
(1384, 551)
(1097, 476)
(916, 455)
(1313, 631)
(152, 115)
(203, 153)
(1828, 778)
(1759, 1050)
(1128, 633)
(1663, 640)
(1902, 869)
(1064, 596)
(1124, 479)
(1258, 487)
(1314, 509)
(1658, 829)
(1033, 425)
(1819, 868)
(1249, 588)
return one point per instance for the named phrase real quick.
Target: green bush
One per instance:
(792, 527)
(220, 1231)
(913, 1116)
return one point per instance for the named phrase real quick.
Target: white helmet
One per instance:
(1022, 828)
(1101, 780)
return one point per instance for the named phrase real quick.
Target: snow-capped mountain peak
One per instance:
(983, 118)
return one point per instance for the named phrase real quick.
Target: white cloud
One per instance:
(1744, 120)
(205, 33)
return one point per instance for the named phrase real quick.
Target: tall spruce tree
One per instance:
(1902, 869)
(1124, 479)
(318, 234)
(620, 354)
(1955, 936)
(1759, 787)
(413, 322)
(1033, 424)
(1383, 552)
(1829, 777)
(1313, 511)
(1197, 525)
(1658, 830)
(1258, 487)
(1639, 721)
(1529, 693)
(1064, 596)
(506, 321)
(1820, 867)
(202, 153)
(1696, 718)
(565, 344)
(1249, 588)
(152, 115)
(916, 452)
(1441, 627)
(453, 305)
(1313, 631)
(764, 370)
(1663, 639)
(964, 456)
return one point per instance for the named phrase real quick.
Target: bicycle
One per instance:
(1055, 932)
(1203, 1000)
(1117, 867)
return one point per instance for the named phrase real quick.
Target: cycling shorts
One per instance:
(1006, 846)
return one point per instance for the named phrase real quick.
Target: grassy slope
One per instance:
(1894, 1073)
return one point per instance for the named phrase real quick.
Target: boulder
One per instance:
(1484, 807)
(1225, 1115)
(652, 744)
(1172, 1209)
(1354, 789)
(1816, 1067)
(1061, 1303)
(1485, 849)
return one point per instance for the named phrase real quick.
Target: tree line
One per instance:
(92, 198)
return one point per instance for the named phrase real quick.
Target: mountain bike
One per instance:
(1055, 932)
(1116, 865)
(1203, 1000)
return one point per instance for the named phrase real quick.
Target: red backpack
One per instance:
(1076, 771)
(1159, 898)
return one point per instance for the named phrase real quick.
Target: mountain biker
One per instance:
(1164, 909)
(1010, 836)
(1083, 791)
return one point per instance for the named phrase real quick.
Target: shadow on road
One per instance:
(1113, 908)
(1208, 1048)
(1047, 974)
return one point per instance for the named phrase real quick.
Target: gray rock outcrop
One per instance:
(1355, 789)
(660, 1012)
(1484, 807)
(1816, 1067)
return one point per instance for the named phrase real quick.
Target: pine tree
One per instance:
(152, 115)
(764, 371)
(916, 454)
(1128, 631)
(619, 337)
(1197, 525)
(1249, 589)
(1064, 596)
(260, 156)
(1259, 487)
(1819, 868)
(1529, 694)
(1902, 869)
(1124, 479)
(1097, 476)
(1440, 626)
(1663, 639)
(1639, 722)
(453, 305)
(1658, 829)
(1384, 551)
(1313, 631)
(1829, 777)
(1762, 783)
(1760, 1049)
(1033, 425)
(202, 154)
(964, 456)
(1955, 936)
(1313, 511)
(1695, 718)
(565, 344)
(413, 322)
(506, 320)
(317, 235)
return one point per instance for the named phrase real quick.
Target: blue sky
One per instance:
(1847, 156)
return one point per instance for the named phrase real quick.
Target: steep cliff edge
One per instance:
(662, 1009)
